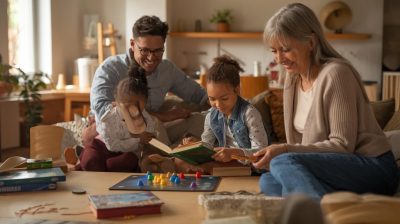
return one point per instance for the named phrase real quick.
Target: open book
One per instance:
(193, 153)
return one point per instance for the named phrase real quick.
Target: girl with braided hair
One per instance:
(124, 129)
(233, 126)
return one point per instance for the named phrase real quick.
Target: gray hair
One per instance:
(300, 22)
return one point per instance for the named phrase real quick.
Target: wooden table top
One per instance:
(179, 207)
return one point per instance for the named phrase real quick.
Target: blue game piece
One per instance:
(140, 183)
(173, 178)
(193, 185)
(177, 180)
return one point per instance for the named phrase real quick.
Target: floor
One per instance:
(7, 153)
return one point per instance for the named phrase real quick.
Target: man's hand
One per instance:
(89, 133)
(145, 137)
(267, 154)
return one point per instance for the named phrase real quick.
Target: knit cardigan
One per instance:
(340, 120)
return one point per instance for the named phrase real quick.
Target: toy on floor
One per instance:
(168, 182)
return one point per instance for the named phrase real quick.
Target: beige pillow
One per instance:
(259, 103)
(383, 111)
(394, 122)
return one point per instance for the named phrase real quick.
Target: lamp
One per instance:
(335, 15)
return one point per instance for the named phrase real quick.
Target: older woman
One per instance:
(333, 140)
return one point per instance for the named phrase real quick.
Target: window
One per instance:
(21, 39)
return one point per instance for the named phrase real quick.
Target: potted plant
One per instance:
(222, 18)
(28, 87)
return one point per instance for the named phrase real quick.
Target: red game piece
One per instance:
(181, 175)
(198, 174)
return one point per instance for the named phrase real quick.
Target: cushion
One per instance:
(394, 140)
(383, 111)
(274, 99)
(394, 122)
(172, 101)
(259, 103)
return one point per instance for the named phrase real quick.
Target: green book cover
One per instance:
(17, 177)
(194, 153)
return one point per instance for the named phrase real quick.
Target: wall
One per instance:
(391, 35)
(67, 25)
(190, 53)
(3, 30)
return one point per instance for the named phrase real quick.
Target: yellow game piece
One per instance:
(163, 183)
(168, 174)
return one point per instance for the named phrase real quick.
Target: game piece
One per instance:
(78, 191)
(148, 173)
(172, 178)
(181, 175)
(163, 183)
(177, 180)
(169, 175)
(198, 174)
(140, 183)
(193, 185)
(150, 177)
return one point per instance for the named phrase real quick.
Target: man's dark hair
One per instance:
(150, 25)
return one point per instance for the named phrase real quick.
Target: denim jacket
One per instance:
(237, 124)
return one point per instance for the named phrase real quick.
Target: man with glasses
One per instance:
(147, 48)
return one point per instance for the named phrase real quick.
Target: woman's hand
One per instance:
(225, 154)
(267, 154)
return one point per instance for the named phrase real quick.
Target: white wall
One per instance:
(365, 55)
(136, 9)
(4, 31)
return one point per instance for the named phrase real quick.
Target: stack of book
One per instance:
(30, 180)
(119, 205)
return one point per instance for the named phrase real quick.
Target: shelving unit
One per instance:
(258, 35)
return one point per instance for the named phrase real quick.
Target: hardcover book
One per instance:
(29, 187)
(18, 177)
(118, 205)
(194, 153)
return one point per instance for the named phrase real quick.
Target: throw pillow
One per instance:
(394, 122)
(274, 99)
(383, 111)
(259, 103)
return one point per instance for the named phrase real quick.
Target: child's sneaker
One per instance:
(71, 156)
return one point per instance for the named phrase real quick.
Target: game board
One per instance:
(166, 183)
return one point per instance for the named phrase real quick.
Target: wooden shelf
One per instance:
(218, 35)
(258, 35)
(347, 36)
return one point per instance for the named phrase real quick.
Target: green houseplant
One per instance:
(27, 86)
(222, 18)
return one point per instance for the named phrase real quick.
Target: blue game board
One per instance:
(204, 184)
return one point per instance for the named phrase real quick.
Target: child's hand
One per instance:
(189, 140)
(223, 154)
(145, 137)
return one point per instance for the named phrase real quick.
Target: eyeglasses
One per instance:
(146, 52)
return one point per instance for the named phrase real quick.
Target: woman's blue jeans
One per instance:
(316, 174)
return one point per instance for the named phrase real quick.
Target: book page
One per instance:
(187, 146)
(160, 145)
